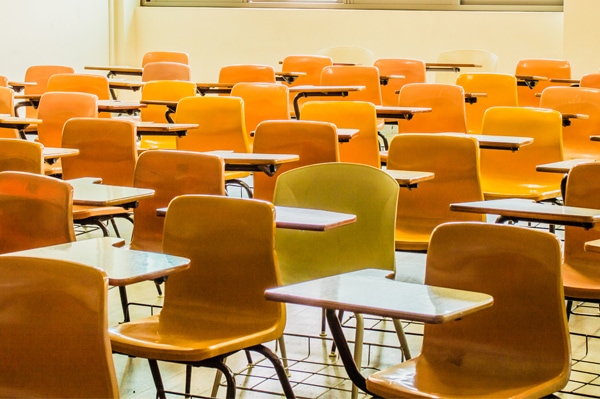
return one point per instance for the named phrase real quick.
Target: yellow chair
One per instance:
(7, 96)
(39, 74)
(506, 174)
(576, 136)
(455, 162)
(246, 73)
(348, 55)
(314, 142)
(166, 71)
(311, 65)
(512, 349)
(447, 103)
(364, 147)
(229, 273)
(170, 90)
(487, 59)
(53, 325)
(165, 56)
(21, 156)
(590, 80)
(412, 70)
(35, 211)
(500, 90)
(546, 68)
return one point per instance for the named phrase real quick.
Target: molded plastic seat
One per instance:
(447, 103)
(506, 174)
(53, 323)
(229, 273)
(486, 59)
(82, 83)
(364, 147)
(21, 156)
(510, 350)
(358, 75)
(500, 90)
(576, 136)
(166, 71)
(312, 65)
(540, 67)
(165, 56)
(39, 74)
(35, 211)
(455, 162)
(412, 70)
(7, 96)
(314, 142)
(349, 55)
(590, 80)
(246, 73)
(3, 81)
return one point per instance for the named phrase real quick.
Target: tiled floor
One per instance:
(313, 372)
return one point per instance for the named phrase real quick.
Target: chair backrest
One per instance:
(520, 268)
(21, 156)
(349, 55)
(314, 142)
(246, 73)
(165, 56)
(83, 83)
(166, 71)
(39, 74)
(262, 102)
(170, 173)
(547, 68)
(590, 80)
(367, 192)
(503, 171)
(7, 96)
(447, 103)
(412, 70)
(500, 89)
(35, 211)
(230, 242)
(3, 81)
(54, 325)
(310, 64)
(107, 149)
(487, 59)
(576, 136)
(364, 147)
(221, 124)
(361, 75)
(56, 108)
(455, 162)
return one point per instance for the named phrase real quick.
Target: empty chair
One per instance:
(314, 142)
(455, 162)
(349, 55)
(3, 81)
(447, 103)
(246, 73)
(166, 71)
(21, 156)
(229, 272)
(53, 325)
(165, 56)
(412, 70)
(510, 350)
(359, 75)
(590, 80)
(545, 68)
(83, 83)
(311, 65)
(487, 59)
(576, 136)
(506, 174)
(7, 96)
(500, 90)
(39, 74)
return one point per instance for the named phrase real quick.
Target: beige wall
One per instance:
(581, 34)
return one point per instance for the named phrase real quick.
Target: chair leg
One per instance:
(358, 347)
(124, 303)
(222, 369)
(323, 324)
(569, 308)
(160, 389)
(402, 339)
(385, 145)
(281, 343)
(240, 183)
(188, 381)
(281, 374)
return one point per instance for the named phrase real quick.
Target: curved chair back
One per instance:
(506, 174)
(107, 149)
(361, 75)
(447, 103)
(364, 147)
(21, 156)
(412, 70)
(530, 350)
(39, 74)
(230, 242)
(54, 324)
(82, 83)
(500, 90)
(367, 192)
(166, 71)
(590, 80)
(170, 174)
(165, 56)
(7, 99)
(487, 59)
(315, 142)
(221, 124)
(310, 64)
(576, 136)
(544, 68)
(56, 108)
(3, 81)
(455, 162)
(36, 211)
(349, 55)
(246, 73)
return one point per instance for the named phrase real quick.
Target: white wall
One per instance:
(581, 34)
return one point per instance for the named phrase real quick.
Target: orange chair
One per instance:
(166, 71)
(54, 327)
(590, 80)
(354, 55)
(39, 74)
(447, 103)
(361, 75)
(82, 83)
(412, 70)
(314, 142)
(310, 64)
(7, 96)
(512, 349)
(165, 56)
(546, 68)
(246, 73)
(21, 156)
(3, 81)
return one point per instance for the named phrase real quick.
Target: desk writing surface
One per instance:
(120, 106)
(117, 69)
(409, 178)
(561, 166)
(123, 266)
(391, 112)
(125, 84)
(85, 193)
(370, 292)
(54, 152)
(492, 142)
(592, 246)
(164, 129)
